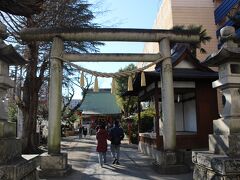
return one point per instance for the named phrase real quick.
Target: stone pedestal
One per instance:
(19, 169)
(54, 165)
(14, 166)
(222, 161)
(225, 144)
(215, 167)
(10, 149)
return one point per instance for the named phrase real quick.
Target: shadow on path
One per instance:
(83, 157)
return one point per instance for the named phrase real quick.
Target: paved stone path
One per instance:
(133, 165)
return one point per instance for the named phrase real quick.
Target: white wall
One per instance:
(185, 116)
(185, 64)
(179, 117)
(190, 120)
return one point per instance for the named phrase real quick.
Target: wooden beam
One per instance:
(108, 34)
(109, 57)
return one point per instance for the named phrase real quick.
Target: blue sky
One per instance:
(121, 14)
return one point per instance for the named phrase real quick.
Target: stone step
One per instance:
(19, 169)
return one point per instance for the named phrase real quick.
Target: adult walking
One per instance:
(116, 135)
(102, 136)
(85, 131)
(80, 130)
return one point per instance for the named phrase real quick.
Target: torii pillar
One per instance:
(168, 158)
(168, 109)
(54, 163)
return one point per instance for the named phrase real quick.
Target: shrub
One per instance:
(146, 120)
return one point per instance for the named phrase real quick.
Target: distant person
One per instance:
(97, 128)
(84, 131)
(115, 136)
(102, 136)
(90, 131)
(109, 127)
(80, 131)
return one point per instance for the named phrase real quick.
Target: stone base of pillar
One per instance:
(21, 169)
(171, 169)
(210, 166)
(54, 165)
(170, 163)
(166, 162)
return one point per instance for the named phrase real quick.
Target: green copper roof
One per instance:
(100, 103)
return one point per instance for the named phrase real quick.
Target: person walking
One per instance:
(80, 130)
(102, 136)
(85, 131)
(116, 135)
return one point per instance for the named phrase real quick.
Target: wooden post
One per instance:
(168, 110)
(139, 118)
(129, 131)
(157, 116)
(55, 98)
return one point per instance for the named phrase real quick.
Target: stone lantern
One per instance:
(13, 166)
(222, 161)
(8, 56)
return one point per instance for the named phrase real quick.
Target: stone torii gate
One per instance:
(55, 159)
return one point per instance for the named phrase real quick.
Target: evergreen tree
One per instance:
(204, 38)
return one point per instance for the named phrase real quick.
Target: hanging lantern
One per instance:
(143, 79)
(113, 89)
(82, 79)
(95, 89)
(130, 85)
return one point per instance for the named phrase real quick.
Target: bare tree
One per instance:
(89, 82)
(55, 13)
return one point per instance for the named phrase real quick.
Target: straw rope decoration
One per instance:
(115, 75)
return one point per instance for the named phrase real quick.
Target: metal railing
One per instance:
(223, 9)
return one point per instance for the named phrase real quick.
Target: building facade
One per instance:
(99, 107)
(186, 12)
